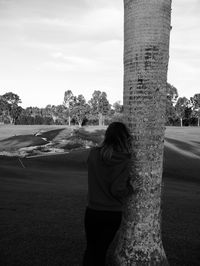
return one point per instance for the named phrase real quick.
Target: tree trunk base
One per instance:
(158, 258)
(111, 261)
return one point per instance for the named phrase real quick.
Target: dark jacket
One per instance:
(107, 180)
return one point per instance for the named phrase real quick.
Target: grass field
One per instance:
(42, 205)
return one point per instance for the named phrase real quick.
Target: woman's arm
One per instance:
(121, 186)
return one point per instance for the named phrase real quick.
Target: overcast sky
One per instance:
(48, 47)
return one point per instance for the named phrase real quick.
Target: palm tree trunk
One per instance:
(146, 53)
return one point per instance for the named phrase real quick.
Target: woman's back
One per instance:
(107, 180)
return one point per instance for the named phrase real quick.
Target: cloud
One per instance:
(68, 64)
(55, 9)
(184, 65)
(99, 58)
(94, 26)
(61, 23)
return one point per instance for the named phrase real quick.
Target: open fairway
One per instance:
(42, 205)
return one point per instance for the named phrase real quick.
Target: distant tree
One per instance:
(23, 120)
(54, 113)
(47, 111)
(38, 120)
(12, 98)
(45, 115)
(28, 111)
(118, 107)
(25, 117)
(59, 114)
(15, 113)
(195, 102)
(68, 103)
(3, 104)
(11, 108)
(36, 111)
(180, 107)
(100, 106)
(188, 116)
(116, 113)
(3, 109)
(32, 116)
(80, 109)
(51, 114)
(48, 120)
(172, 95)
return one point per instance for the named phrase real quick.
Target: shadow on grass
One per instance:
(42, 212)
(50, 135)
(17, 142)
(183, 145)
(73, 160)
(180, 167)
(180, 221)
(40, 138)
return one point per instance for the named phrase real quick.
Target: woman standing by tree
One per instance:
(108, 176)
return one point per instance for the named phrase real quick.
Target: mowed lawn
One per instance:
(42, 205)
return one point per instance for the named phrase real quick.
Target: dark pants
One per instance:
(100, 228)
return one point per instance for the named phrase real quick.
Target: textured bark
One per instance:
(146, 53)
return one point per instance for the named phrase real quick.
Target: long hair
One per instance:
(117, 139)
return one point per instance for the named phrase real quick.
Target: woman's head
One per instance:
(117, 138)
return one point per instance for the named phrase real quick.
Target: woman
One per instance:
(108, 173)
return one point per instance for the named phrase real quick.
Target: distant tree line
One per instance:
(75, 110)
(181, 111)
